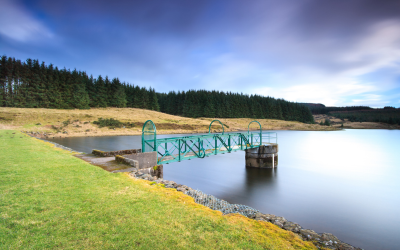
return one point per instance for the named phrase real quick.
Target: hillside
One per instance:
(76, 122)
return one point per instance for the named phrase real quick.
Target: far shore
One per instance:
(48, 123)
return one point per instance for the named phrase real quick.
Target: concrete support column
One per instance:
(265, 156)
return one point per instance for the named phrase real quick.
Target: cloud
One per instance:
(332, 52)
(18, 24)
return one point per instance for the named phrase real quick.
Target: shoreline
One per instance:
(48, 123)
(112, 210)
(320, 240)
(43, 135)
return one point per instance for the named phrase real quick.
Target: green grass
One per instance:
(50, 199)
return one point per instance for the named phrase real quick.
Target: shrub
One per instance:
(327, 122)
(66, 123)
(112, 123)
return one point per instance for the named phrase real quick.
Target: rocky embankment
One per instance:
(324, 240)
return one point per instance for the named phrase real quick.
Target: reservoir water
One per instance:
(342, 182)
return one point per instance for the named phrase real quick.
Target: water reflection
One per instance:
(257, 178)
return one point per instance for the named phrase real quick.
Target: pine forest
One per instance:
(32, 84)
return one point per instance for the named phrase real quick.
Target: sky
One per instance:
(334, 52)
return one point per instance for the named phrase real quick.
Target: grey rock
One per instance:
(291, 226)
(308, 234)
(279, 221)
(181, 189)
(261, 217)
(345, 246)
(329, 237)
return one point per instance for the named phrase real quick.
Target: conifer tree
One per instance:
(3, 75)
(101, 95)
(119, 96)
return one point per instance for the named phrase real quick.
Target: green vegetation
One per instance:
(50, 199)
(322, 109)
(112, 123)
(327, 122)
(203, 103)
(386, 115)
(32, 84)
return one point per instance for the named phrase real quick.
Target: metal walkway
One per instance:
(199, 146)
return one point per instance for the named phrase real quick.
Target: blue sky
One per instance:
(338, 53)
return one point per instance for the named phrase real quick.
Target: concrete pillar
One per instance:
(261, 157)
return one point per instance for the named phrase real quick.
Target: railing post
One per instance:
(260, 138)
(229, 143)
(179, 150)
(198, 140)
(216, 145)
(185, 148)
(251, 145)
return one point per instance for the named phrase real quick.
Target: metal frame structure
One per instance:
(199, 146)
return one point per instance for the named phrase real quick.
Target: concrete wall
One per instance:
(115, 153)
(145, 160)
(145, 163)
(123, 160)
(261, 157)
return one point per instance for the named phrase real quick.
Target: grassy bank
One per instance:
(337, 123)
(50, 199)
(80, 122)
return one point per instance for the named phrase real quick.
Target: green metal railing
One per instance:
(199, 146)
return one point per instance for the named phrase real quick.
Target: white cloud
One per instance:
(16, 23)
(378, 49)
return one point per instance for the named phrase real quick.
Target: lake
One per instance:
(342, 182)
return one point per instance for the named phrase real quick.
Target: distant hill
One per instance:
(318, 108)
(312, 105)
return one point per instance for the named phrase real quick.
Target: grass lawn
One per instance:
(50, 199)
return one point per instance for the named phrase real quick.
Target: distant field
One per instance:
(389, 116)
(52, 200)
(75, 122)
(347, 124)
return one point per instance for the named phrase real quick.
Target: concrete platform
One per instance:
(106, 163)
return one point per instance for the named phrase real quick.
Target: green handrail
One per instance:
(173, 149)
(146, 130)
(209, 128)
(248, 130)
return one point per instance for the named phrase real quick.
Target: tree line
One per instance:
(32, 84)
(385, 115)
(322, 109)
(203, 103)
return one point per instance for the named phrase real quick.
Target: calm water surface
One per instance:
(345, 182)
